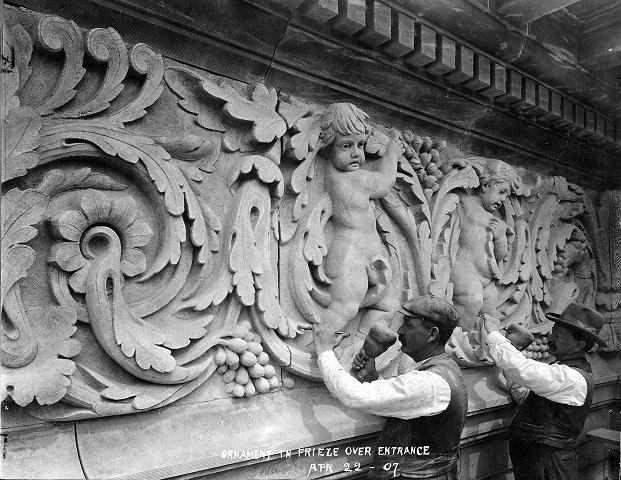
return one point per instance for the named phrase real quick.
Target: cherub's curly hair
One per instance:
(492, 171)
(342, 118)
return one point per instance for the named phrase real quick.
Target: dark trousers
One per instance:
(538, 461)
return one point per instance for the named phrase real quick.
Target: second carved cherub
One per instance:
(484, 239)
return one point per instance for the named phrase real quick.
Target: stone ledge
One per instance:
(189, 439)
(41, 451)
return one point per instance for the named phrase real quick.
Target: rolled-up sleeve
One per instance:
(559, 383)
(410, 395)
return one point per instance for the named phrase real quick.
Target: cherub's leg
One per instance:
(490, 297)
(383, 312)
(347, 290)
(467, 295)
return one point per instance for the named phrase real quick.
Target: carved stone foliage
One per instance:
(609, 240)
(608, 296)
(122, 289)
(166, 232)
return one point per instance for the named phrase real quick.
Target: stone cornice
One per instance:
(260, 41)
(411, 41)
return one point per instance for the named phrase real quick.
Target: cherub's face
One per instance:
(348, 151)
(493, 196)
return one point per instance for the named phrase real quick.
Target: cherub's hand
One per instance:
(497, 227)
(396, 144)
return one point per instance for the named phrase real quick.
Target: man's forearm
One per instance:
(414, 394)
(558, 383)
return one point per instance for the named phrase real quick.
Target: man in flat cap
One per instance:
(425, 407)
(544, 433)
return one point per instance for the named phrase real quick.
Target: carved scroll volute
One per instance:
(131, 342)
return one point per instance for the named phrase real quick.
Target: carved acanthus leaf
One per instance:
(116, 141)
(308, 280)
(21, 210)
(46, 377)
(302, 147)
(16, 260)
(140, 340)
(302, 174)
(305, 138)
(132, 342)
(22, 126)
(408, 183)
(244, 261)
(261, 168)
(212, 291)
(517, 266)
(56, 34)
(58, 181)
(260, 110)
(106, 46)
(23, 53)
(186, 84)
(203, 153)
(385, 230)
(143, 61)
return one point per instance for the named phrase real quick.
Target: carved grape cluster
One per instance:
(423, 154)
(243, 364)
(539, 350)
(572, 254)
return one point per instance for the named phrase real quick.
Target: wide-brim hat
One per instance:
(581, 319)
(436, 310)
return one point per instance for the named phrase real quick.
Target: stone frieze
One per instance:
(165, 230)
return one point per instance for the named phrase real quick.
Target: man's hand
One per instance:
(519, 336)
(326, 339)
(491, 324)
(360, 360)
(364, 366)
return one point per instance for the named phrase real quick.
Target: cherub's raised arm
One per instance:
(383, 171)
(499, 237)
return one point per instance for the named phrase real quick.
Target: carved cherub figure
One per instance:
(357, 262)
(484, 239)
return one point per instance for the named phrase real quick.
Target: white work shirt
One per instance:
(410, 395)
(558, 383)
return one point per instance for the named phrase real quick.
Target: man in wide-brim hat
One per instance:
(544, 433)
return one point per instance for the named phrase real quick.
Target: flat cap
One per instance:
(434, 309)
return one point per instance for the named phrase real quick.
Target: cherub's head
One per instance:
(497, 180)
(344, 132)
